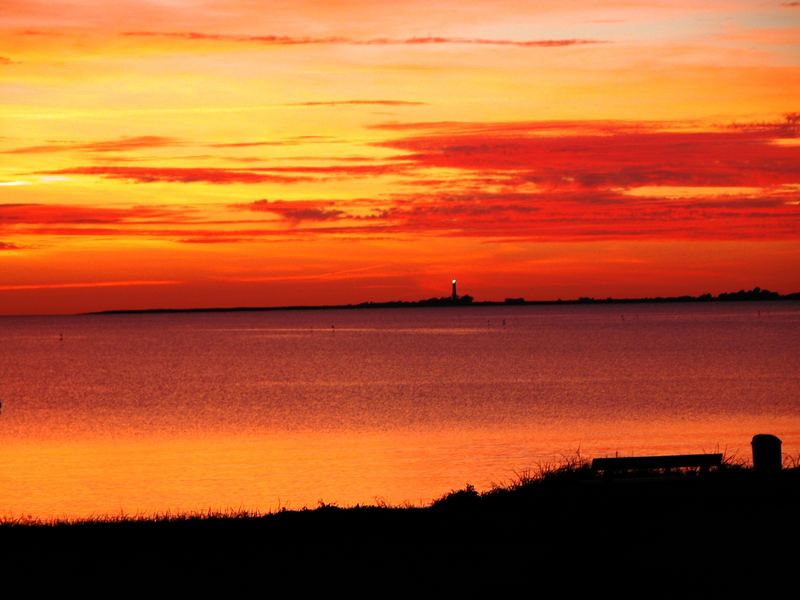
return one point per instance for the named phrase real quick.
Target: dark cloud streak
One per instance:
(303, 210)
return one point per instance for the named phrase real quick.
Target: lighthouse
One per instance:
(455, 295)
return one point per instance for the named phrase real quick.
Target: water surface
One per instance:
(142, 414)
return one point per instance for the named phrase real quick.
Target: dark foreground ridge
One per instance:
(570, 533)
(756, 294)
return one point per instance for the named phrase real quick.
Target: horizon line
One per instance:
(755, 294)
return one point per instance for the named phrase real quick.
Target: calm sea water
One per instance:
(142, 414)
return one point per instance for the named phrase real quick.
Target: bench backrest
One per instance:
(657, 462)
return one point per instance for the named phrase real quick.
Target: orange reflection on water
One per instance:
(265, 472)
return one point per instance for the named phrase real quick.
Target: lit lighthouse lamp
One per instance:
(455, 296)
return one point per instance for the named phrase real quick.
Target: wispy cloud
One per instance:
(284, 40)
(40, 33)
(531, 127)
(358, 103)
(116, 145)
(220, 176)
(223, 176)
(87, 284)
(209, 239)
(296, 140)
(252, 144)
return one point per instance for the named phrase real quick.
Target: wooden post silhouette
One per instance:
(766, 453)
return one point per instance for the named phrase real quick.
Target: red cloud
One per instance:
(9, 246)
(608, 156)
(541, 216)
(551, 181)
(12, 214)
(553, 215)
(574, 215)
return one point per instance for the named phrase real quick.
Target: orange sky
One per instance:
(170, 153)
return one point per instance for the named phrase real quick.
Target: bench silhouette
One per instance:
(647, 463)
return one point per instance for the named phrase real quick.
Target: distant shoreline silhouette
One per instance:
(755, 295)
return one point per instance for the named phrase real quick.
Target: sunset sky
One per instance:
(190, 153)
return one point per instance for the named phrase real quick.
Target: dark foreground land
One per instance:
(730, 533)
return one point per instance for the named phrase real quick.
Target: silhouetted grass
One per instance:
(685, 535)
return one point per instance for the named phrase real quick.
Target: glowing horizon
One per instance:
(205, 153)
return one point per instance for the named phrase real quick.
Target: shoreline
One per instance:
(723, 531)
(449, 303)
